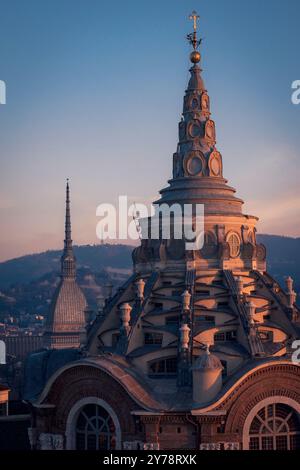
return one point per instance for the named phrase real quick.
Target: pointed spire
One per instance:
(197, 164)
(68, 267)
(196, 154)
(68, 240)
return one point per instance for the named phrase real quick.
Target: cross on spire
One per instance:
(192, 37)
(195, 17)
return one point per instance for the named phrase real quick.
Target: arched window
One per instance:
(95, 429)
(275, 427)
(234, 245)
(163, 367)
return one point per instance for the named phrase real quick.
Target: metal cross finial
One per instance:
(195, 17)
(192, 37)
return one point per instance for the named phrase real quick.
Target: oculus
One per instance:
(194, 129)
(194, 164)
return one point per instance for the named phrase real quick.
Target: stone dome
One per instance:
(208, 361)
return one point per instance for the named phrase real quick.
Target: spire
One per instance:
(197, 164)
(196, 154)
(68, 267)
(66, 317)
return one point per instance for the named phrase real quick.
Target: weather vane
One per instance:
(192, 37)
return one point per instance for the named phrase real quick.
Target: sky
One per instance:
(94, 94)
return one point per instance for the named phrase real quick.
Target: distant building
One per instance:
(66, 317)
(194, 352)
(19, 346)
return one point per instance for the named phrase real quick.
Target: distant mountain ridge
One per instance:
(283, 258)
(29, 268)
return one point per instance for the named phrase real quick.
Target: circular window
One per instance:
(234, 245)
(194, 166)
(194, 129)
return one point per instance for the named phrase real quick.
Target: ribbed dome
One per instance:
(208, 361)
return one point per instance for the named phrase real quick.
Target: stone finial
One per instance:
(140, 285)
(240, 285)
(125, 310)
(100, 304)
(184, 336)
(289, 282)
(207, 377)
(186, 300)
(291, 294)
(250, 307)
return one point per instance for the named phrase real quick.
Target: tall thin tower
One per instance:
(66, 315)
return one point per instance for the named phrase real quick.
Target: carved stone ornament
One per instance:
(151, 446)
(133, 445)
(210, 133)
(210, 446)
(261, 252)
(51, 441)
(205, 102)
(215, 163)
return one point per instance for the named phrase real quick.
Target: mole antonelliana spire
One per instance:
(68, 262)
(66, 317)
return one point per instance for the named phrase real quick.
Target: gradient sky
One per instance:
(94, 93)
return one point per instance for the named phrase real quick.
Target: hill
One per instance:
(94, 257)
(27, 283)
